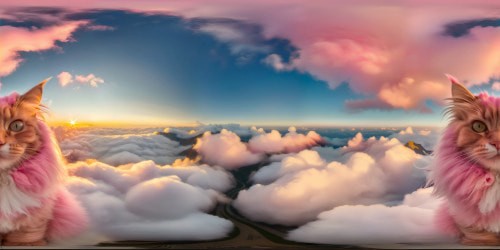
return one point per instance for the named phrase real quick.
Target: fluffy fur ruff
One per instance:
(465, 184)
(42, 208)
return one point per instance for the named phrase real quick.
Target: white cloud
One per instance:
(426, 137)
(407, 131)
(290, 143)
(320, 190)
(495, 86)
(289, 164)
(65, 79)
(238, 39)
(117, 146)
(90, 79)
(276, 62)
(410, 222)
(300, 187)
(123, 177)
(225, 149)
(145, 201)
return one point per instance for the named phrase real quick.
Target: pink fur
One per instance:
(42, 177)
(463, 184)
(489, 100)
(42, 172)
(69, 217)
(445, 222)
(9, 100)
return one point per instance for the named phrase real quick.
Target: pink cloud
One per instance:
(18, 39)
(394, 52)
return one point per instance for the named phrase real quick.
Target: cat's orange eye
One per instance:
(16, 126)
(478, 126)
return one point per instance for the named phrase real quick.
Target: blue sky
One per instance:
(162, 68)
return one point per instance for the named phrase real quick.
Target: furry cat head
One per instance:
(477, 122)
(19, 133)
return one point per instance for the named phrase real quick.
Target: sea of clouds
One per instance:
(117, 146)
(126, 180)
(145, 201)
(367, 191)
(365, 172)
(370, 191)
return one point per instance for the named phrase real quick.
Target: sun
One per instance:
(72, 122)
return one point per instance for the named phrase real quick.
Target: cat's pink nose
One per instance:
(496, 144)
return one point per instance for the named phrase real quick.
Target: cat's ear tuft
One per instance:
(459, 91)
(34, 95)
(461, 99)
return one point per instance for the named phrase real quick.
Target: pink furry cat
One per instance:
(35, 207)
(467, 168)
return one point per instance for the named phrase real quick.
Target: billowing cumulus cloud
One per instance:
(412, 221)
(292, 142)
(364, 172)
(225, 149)
(178, 200)
(399, 63)
(289, 163)
(117, 146)
(396, 53)
(16, 40)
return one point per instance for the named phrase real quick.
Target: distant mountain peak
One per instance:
(417, 148)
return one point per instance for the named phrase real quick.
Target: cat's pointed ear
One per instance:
(34, 96)
(459, 91)
(462, 100)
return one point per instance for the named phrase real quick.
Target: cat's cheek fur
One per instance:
(466, 137)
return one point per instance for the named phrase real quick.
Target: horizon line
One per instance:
(135, 124)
